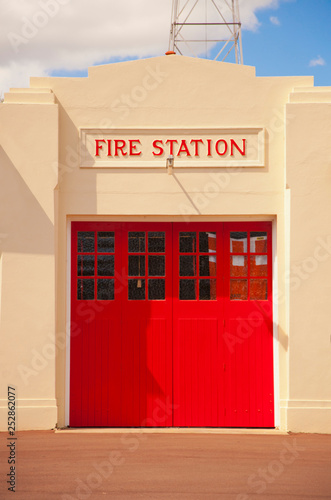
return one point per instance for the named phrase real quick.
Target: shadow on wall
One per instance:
(24, 226)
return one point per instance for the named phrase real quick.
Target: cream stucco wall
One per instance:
(170, 92)
(308, 180)
(28, 159)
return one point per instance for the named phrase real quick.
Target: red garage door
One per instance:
(171, 325)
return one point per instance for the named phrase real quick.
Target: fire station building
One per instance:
(165, 249)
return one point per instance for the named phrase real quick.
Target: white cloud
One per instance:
(18, 75)
(40, 36)
(318, 61)
(274, 20)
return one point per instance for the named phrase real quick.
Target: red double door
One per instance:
(171, 325)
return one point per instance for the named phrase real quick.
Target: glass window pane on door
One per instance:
(85, 242)
(187, 242)
(187, 265)
(207, 265)
(156, 265)
(207, 242)
(106, 242)
(136, 265)
(156, 289)
(238, 289)
(137, 242)
(258, 242)
(105, 289)
(85, 289)
(136, 289)
(85, 265)
(106, 265)
(259, 289)
(259, 265)
(207, 289)
(238, 242)
(156, 242)
(238, 265)
(187, 290)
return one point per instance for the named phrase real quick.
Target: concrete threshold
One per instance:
(170, 430)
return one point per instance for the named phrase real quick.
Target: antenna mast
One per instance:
(206, 28)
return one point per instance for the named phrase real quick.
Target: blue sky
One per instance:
(65, 37)
(304, 34)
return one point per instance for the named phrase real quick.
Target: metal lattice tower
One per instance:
(206, 28)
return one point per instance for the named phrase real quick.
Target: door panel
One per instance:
(248, 330)
(197, 325)
(95, 323)
(147, 324)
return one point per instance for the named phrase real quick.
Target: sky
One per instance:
(65, 37)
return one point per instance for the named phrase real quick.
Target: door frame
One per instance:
(273, 220)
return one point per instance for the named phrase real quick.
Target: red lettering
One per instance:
(196, 142)
(209, 147)
(119, 146)
(225, 147)
(183, 149)
(98, 146)
(109, 147)
(155, 145)
(171, 142)
(241, 151)
(133, 147)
